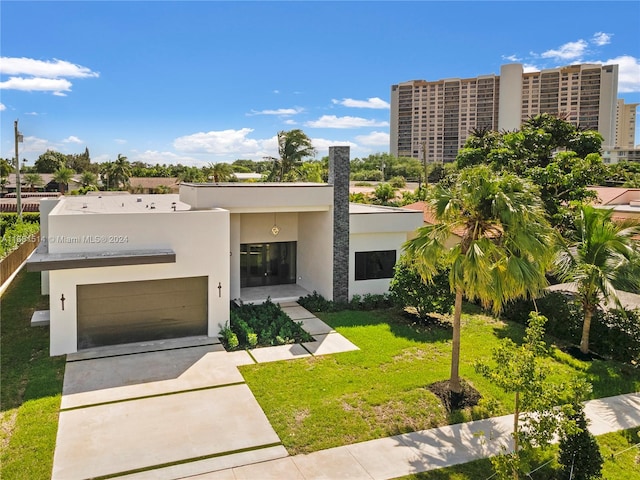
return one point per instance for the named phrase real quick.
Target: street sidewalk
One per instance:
(392, 457)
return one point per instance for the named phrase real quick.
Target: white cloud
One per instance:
(55, 85)
(222, 142)
(31, 75)
(373, 102)
(119, 141)
(154, 156)
(628, 73)
(528, 68)
(2, 107)
(47, 69)
(331, 121)
(374, 139)
(568, 51)
(601, 38)
(511, 58)
(279, 111)
(290, 121)
(37, 145)
(72, 139)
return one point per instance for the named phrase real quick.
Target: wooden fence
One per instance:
(12, 262)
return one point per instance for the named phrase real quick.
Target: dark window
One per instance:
(378, 264)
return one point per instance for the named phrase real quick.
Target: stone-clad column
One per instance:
(339, 168)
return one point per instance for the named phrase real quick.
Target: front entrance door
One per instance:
(264, 264)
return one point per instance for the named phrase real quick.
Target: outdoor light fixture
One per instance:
(275, 230)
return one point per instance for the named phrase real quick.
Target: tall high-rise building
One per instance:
(432, 119)
(626, 124)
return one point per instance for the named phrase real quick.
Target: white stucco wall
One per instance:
(315, 252)
(367, 243)
(200, 240)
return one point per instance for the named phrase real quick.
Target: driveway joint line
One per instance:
(128, 354)
(157, 395)
(185, 461)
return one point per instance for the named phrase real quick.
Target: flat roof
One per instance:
(256, 184)
(362, 208)
(124, 203)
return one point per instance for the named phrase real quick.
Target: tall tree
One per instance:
(293, 147)
(219, 172)
(505, 248)
(121, 171)
(600, 257)
(50, 161)
(88, 178)
(62, 177)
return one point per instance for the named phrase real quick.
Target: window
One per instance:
(371, 265)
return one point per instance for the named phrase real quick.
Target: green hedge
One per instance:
(9, 219)
(614, 333)
(17, 234)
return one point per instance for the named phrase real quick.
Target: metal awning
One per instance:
(41, 260)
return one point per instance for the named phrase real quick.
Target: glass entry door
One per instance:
(264, 264)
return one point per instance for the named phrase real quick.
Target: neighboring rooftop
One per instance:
(361, 208)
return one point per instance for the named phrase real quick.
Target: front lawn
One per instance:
(380, 390)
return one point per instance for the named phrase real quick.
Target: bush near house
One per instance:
(261, 326)
(9, 219)
(314, 302)
(15, 235)
(614, 333)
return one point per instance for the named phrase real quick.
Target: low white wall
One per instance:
(200, 240)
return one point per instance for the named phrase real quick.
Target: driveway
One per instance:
(172, 408)
(184, 407)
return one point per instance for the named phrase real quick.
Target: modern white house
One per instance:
(133, 268)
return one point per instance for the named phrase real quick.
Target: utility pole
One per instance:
(424, 159)
(18, 139)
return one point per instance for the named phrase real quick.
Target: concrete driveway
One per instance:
(171, 409)
(180, 410)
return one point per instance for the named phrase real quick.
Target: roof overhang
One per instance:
(41, 260)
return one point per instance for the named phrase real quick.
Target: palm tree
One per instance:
(88, 178)
(62, 176)
(33, 180)
(121, 171)
(505, 247)
(293, 147)
(221, 171)
(600, 258)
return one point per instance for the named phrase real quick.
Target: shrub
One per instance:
(614, 333)
(16, 235)
(408, 289)
(315, 302)
(398, 182)
(261, 325)
(579, 453)
(7, 220)
(372, 175)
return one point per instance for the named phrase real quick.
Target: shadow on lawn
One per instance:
(401, 324)
(28, 372)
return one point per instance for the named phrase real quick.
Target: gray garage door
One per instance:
(127, 312)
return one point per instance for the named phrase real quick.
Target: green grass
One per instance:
(31, 384)
(380, 390)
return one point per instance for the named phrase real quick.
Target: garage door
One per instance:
(128, 312)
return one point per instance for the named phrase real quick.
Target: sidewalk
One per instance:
(393, 457)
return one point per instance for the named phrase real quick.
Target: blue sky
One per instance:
(207, 81)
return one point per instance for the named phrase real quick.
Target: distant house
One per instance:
(429, 219)
(49, 184)
(625, 202)
(130, 268)
(148, 185)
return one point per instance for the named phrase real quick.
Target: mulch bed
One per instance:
(468, 397)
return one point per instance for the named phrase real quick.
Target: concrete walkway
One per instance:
(180, 409)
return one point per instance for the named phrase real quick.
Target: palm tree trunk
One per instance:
(586, 327)
(454, 381)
